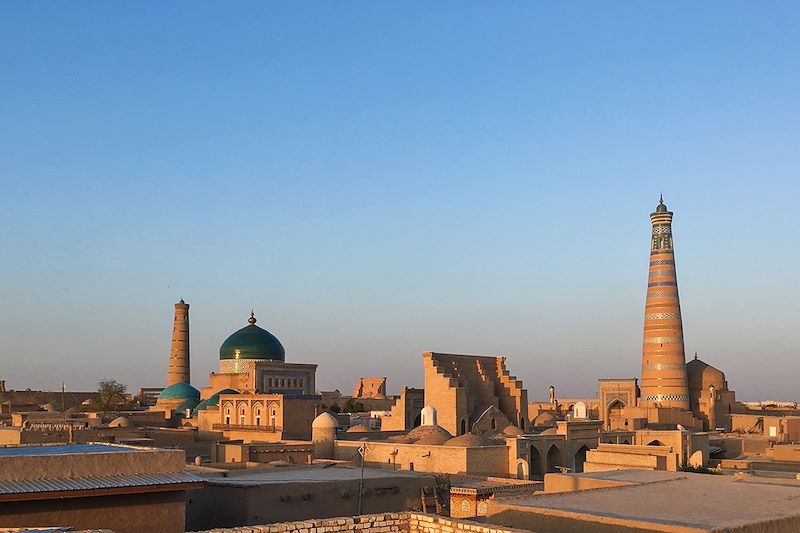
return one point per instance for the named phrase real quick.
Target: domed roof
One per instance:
(428, 435)
(178, 391)
(469, 440)
(700, 375)
(512, 431)
(325, 420)
(428, 415)
(120, 422)
(545, 418)
(189, 403)
(252, 342)
(212, 401)
(698, 365)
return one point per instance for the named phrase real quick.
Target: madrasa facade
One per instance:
(255, 391)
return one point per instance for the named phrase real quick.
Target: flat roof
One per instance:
(674, 499)
(96, 483)
(300, 474)
(61, 449)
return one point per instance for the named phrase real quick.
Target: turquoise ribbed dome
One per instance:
(178, 391)
(213, 401)
(190, 403)
(252, 342)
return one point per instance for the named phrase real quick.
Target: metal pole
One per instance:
(362, 451)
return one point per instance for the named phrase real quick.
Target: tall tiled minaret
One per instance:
(179, 354)
(664, 381)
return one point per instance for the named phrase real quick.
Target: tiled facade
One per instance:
(664, 382)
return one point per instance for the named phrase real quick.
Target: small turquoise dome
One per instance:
(178, 391)
(252, 342)
(213, 401)
(190, 403)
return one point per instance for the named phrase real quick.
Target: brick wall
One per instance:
(440, 459)
(374, 523)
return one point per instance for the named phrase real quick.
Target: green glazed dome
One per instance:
(252, 342)
(178, 391)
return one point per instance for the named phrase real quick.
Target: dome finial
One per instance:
(252, 319)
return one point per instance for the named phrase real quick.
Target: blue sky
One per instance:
(379, 179)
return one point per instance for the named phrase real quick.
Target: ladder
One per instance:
(430, 500)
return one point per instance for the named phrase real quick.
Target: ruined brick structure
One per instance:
(462, 387)
(370, 388)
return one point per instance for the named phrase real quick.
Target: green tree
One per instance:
(353, 406)
(110, 396)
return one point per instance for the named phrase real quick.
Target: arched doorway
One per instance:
(536, 463)
(522, 469)
(614, 410)
(580, 458)
(553, 458)
(463, 427)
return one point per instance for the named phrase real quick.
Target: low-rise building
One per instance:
(248, 496)
(641, 501)
(94, 486)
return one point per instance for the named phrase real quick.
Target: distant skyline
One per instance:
(378, 180)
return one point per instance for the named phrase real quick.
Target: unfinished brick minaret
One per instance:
(664, 382)
(179, 354)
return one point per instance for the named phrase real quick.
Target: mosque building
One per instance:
(672, 392)
(255, 395)
(478, 405)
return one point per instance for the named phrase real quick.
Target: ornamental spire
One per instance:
(252, 319)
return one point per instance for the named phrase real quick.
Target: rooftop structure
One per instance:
(631, 500)
(267, 494)
(122, 488)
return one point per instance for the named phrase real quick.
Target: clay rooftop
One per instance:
(61, 449)
(296, 474)
(672, 501)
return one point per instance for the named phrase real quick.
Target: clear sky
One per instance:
(379, 179)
